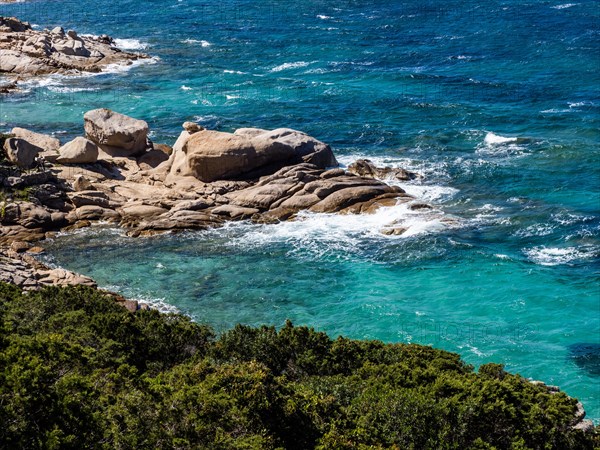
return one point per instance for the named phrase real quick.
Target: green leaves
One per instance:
(77, 370)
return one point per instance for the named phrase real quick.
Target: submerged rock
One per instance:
(366, 168)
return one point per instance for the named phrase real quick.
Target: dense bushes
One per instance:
(79, 371)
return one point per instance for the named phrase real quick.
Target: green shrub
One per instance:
(79, 371)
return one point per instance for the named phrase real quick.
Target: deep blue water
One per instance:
(438, 87)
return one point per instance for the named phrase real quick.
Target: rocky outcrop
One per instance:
(25, 52)
(209, 178)
(248, 153)
(366, 168)
(579, 421)
(79, 151)
(116, 134)
(23, 270)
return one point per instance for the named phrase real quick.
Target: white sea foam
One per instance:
(537, 229)
(238, 72)
(318, 233)
(158, 303)
(68, 90)
(565, 6)
(60, 83)
(319, 70)
(555, 111)
(550, 256)
(489, 214)
(287, 66)
(122, 68)
(324, 17)
(200, 42)
(461, 57)
(186, 88)
(426, 192)
(565, 218)
(130, 44)
(494, 139)
(430, 193)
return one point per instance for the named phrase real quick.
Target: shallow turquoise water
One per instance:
(437, 88)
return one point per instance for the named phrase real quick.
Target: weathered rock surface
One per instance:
(115, 133)
(152, 158)
(26, 52)
(272, 176)
(43, 141)
(81, 183)
(79, 151)
(212, 155)
(21, 152)
(26, 272)
(208, 179)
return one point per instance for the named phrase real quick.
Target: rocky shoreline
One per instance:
(115, 174)
(26, 53)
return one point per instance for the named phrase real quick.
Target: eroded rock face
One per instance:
(212, 155)
(26, 52)
(116, 134)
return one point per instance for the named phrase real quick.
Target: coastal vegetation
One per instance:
(77, 370)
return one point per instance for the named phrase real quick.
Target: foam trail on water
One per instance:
(426, 192)
(564, 6)
(200, 42)
(494, 139)
(286, 66)
(320, 233)
(549, 256)
(130, 44)
(56, 82)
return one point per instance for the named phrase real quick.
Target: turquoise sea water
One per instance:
(496, 103)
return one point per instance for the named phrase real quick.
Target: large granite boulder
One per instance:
(21, 152)
(248, 153)
(116, 134)
(43, 141)
(79, 151)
